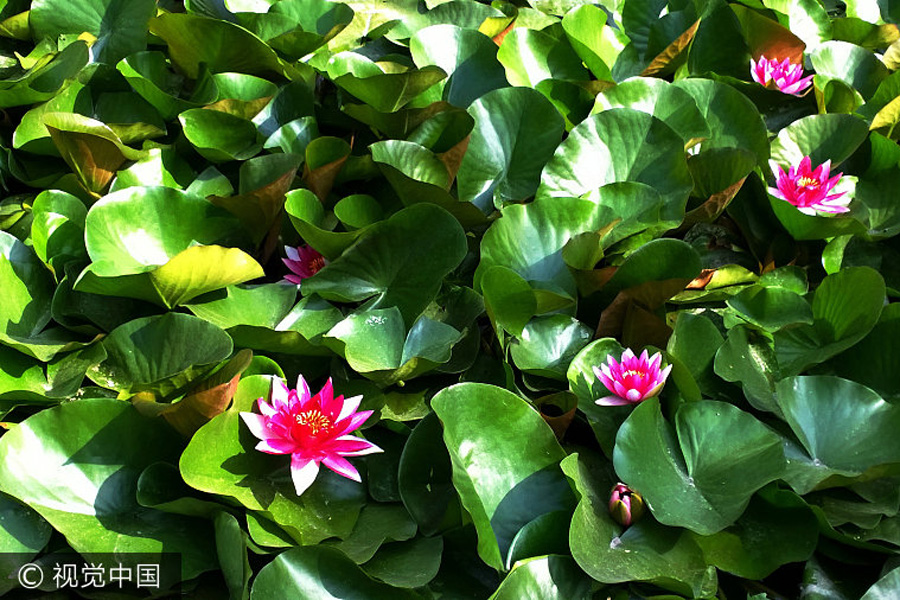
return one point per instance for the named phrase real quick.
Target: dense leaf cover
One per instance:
(483, 204)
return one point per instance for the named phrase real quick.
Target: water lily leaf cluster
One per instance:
(601, 297)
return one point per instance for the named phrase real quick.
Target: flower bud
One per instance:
(625, 505)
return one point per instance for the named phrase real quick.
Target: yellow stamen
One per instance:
(315, 421)
(633, 372)
(808, 182)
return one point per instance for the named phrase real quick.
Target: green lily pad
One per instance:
(658, 260)
(854, 65)
(24, 531)
(25, 312)
(646, 551)
(377, 340)
(671, 105)
(91, 149)
(548, 344)
(194, 40)
(308, 217)
(553, 577)
(504, 480)
(137, 252)
(694, 343)
(468, 57)
(377, 524)
(21, 378)
(264, 318)
(161, 166)
(748, 357)
(297, 27)
(779, 517)
(32, 135)
(393, 262)
(703, 477)
(821, 137)
(120, 27)
(218, 136)
(529, 239)
(516, 131)
(733, 120)
(409, 564)
(872, 361)
(822, 410)
(612, 146)
(143, 352)
(845, 308)
(151, 76)
(419, 176)
(508, 299)
(95, 450)
(44, 79)
(57, 231)
(384, 91)
(771, 308)
(424, 476)
(320, 572)
(531, 56)
(718, 169)
(595, 42)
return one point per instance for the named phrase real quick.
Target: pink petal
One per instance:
(612, 401)
(353, 423)
(265, 408)
(620, 388)
(634, 395)
(280, 394)
(349, 407)
(292, 253)
(604, 378)
(303, 473)
(257, 425)
(665, 373)
(643, 363)
(302, 388)
(612, 367)
(277, 446)
(294, 279)
(607, 372)
(350, 445)
(342, 466)
(331, 406)
(294, 266)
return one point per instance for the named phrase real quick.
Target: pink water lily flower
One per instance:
(303, 261)
(785, 76)
(312, 429)
(633, 380)
(807, 189)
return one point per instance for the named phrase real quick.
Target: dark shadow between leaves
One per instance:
(541, 492)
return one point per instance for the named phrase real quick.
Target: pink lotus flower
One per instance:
(808, 189)
(312, 430)
(625, 505)
(304, 261)
(633, 380)
(785, 76)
